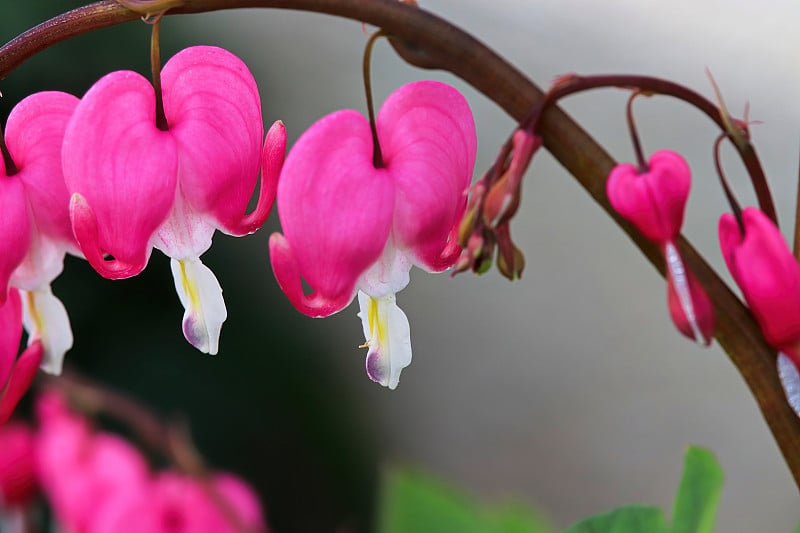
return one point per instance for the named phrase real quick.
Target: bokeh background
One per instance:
(569, 390)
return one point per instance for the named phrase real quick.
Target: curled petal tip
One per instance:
(273, 155)
(84, 226)
(287, 274)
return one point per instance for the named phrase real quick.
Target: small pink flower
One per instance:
(16, 374)
(769, 276)
(134, 186)
(17, 477)
(35, 222)
(350, 227)
(654, 202)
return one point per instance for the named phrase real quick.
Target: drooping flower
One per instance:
(175, 503)
(769, 277)
(81, 470)
(16, 373)
(654, 202)
(350, 227)
(35, 221)
(135, 187)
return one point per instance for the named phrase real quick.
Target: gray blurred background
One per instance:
(569, 390)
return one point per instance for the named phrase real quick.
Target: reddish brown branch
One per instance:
(427, 41)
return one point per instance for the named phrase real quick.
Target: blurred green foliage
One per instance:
(415, 503)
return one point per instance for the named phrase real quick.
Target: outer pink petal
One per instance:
(10, 334)
(336, 212)
(34, 134)
(214, 113)
(20, 380)
(655, 201)
(123, 167)
(428, 140)
(15, 228)
(768, 274)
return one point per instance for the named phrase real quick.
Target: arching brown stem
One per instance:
(427, 41)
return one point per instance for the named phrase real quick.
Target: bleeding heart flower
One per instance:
(135, 186)
(176, 503)
(769, 276)
(35, 220)
(349, 226)
(82, 471)
(16, 374)
(654, 202)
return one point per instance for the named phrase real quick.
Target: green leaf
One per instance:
(514, 519)
(412, 502)
(628, 519)
(698, 493)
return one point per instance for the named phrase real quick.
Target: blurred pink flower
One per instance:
(81, 470)
(176, 503)
(350, 227)
(17, 476)
(654, 202)
(135, 186)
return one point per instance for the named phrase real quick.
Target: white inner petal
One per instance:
(388, 275)
(680, 280)
(46, 319)
(388, 338)
(201, 296)
(790, 379)
(41, 265)
(185, 234)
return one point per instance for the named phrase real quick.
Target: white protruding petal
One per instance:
(680, 279)
(388, 338)
(201, 296)
(46, 319)
(790, 379)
